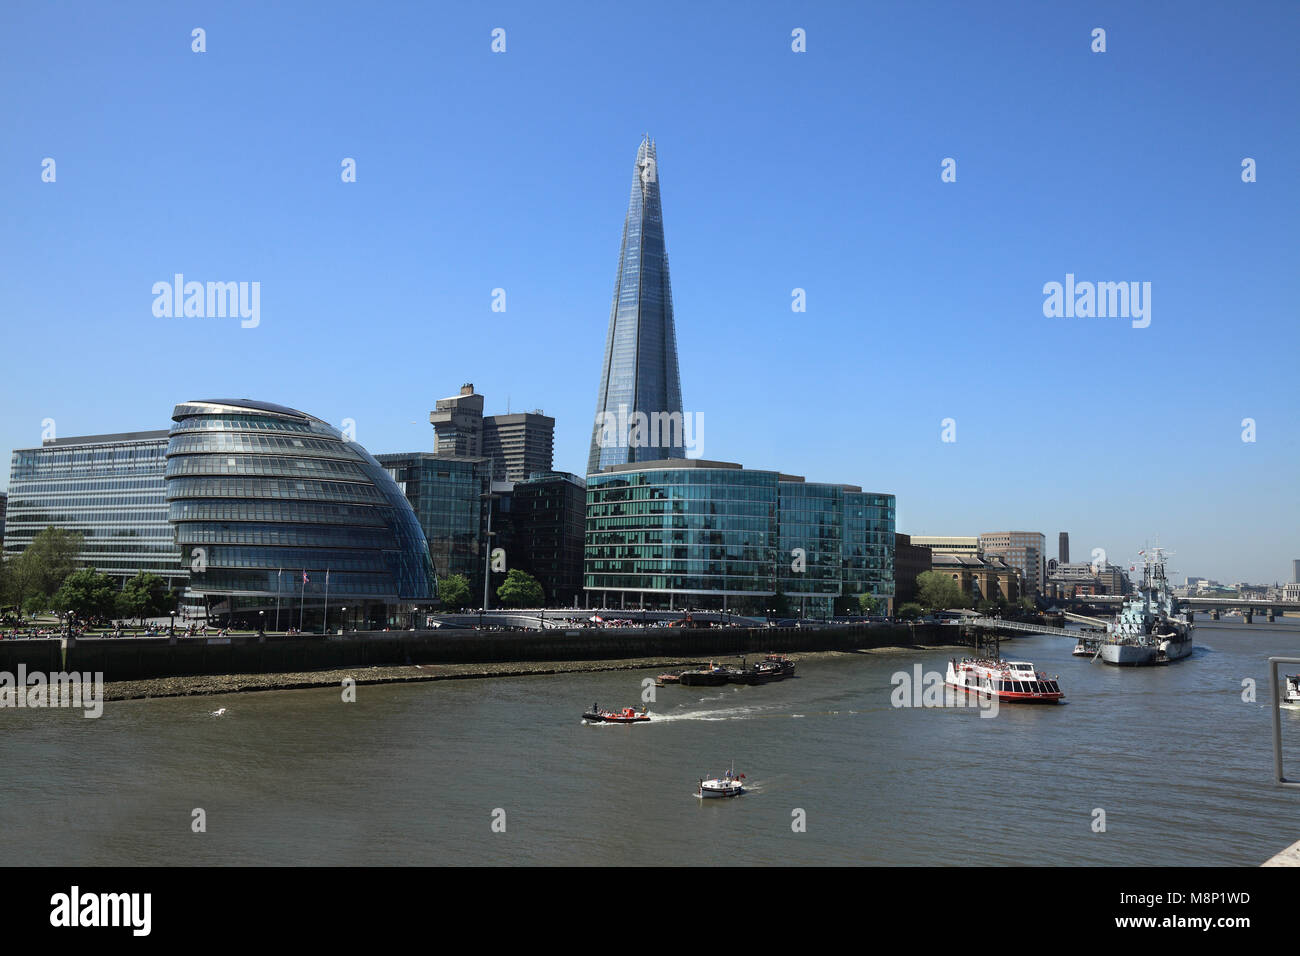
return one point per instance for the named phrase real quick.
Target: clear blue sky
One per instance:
(818, 170)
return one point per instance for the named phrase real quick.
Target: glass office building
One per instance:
(111, 489)
(639, 373)
(445, 494)
(282, 520)
(695, 533)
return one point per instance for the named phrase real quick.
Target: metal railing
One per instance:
(1278, 777)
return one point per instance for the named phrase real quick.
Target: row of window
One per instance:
(263, 465)
(308, 490)
(261, 509)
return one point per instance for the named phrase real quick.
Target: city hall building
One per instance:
(282, 521)
(691, 533)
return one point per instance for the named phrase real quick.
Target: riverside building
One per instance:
(283, 522)
(691, 533)
(111, 489)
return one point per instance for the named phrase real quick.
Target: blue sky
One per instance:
(817, 170)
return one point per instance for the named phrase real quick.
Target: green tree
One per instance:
(454, 592)
(867, 603)
(936, 591)
(910, 611)
(145, 595)
(521, 589)
(86, 593)
(44, 564)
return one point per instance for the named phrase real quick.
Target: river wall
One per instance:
(121, 659)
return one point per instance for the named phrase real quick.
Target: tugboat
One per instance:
(1146, 630)
(625, 716)
(728, 785)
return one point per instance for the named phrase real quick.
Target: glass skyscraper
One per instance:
(639, 374)
(276, 512)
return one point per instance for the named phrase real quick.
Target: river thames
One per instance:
(417, 774)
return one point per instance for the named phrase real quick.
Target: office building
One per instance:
(548, 519)
(111, 489)
(458, 424)
(639, 375)
(1024, 550)
(705, 534)
(446, 495)
(518, 444)
(1063, 548)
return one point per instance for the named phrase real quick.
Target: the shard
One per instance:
(639, 407)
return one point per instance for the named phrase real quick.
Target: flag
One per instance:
(305, 579)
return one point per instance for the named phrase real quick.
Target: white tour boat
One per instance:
(1012, 682)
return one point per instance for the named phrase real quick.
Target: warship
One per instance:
(1147, 630)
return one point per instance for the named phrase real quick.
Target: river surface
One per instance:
(419, 773)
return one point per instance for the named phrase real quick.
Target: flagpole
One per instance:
(303, 600)
(277, 597)
(325, 621)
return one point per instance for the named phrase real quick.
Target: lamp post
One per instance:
(261, 623)
(344, 619)
(487, 551)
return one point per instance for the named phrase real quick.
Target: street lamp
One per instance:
(345, 618)
(487, 551)
(261, 624)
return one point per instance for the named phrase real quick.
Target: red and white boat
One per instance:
(1012, 682)
(625, 716)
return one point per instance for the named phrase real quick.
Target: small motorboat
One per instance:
(728, 785)
(663, 679)
(627, 715)
(1291, 697)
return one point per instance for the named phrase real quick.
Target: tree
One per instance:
(454, 592)
(521, 589)
(936, 590)
(44, 564)
(86, 593)
(910, 611)
(145, 595)
(867, 603)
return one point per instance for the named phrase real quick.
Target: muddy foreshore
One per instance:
(398, 674)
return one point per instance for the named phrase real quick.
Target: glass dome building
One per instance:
(282, 521)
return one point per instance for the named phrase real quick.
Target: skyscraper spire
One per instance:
(639, 376)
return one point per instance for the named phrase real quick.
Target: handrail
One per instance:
(1278, 777)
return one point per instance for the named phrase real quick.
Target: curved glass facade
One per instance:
(713, 534)
(276, 512)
